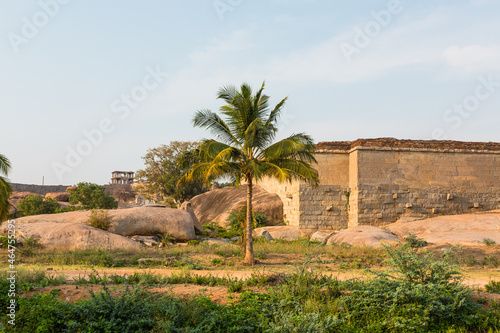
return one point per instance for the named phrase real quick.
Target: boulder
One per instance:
(58, 196)
(16, 197)
(363, 235)
(217, 241)
(216, 205)
(261, 232)
(150, 241)
(73, 235)
(321, 236)
(23, 195)
(289, 233)
(186, 205)
(151, 221)
(147, 221)
(466, 229)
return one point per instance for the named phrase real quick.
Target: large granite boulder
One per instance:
(466, 229)
(321, 236)
(17, 197)
(187, 206)
(288, 232)
(73, 235)
(58, 196)
(216, 205)
(363, 235)
(151, 221)
(146, 221)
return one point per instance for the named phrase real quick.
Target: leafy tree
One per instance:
(5, 188)
(35, 205)
(246, 150)
(91, 196)
(165, 165)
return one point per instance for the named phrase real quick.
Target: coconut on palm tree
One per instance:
(5, 188)
(243, 148)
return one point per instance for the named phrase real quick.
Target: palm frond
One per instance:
(299, 146)
(276, 112)
(4, 165)
(227, 93)
(212, 122)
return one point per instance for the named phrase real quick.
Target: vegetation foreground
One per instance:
(417, 291)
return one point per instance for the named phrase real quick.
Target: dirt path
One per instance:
(477, 279)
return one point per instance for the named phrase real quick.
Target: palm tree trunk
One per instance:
(249, 257)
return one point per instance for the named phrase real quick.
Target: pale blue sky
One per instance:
(350, 69)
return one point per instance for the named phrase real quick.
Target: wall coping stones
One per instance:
(411, 145)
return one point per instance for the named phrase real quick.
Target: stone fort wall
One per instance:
(44, 189)
(378, 181)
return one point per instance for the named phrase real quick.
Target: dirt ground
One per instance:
(74, 293)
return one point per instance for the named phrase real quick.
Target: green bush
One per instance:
(35, 205)
(237, 221)
(91, 196)
(488, 241)
(99, 218)
(414, 241)
(68, 209)
(493, 287)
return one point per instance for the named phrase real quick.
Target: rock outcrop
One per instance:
(146, 221)
(288, 232)
(466, 229)
(216, 205)
(58, 196)
(73, 235)
(321, 236)
(364, 235)
(187, 206)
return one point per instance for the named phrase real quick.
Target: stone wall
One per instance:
(387, 179)
(417, 182)
(44, 189)
(289, 195)
(38, 189)
(323, 207)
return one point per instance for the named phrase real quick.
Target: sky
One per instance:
(86, 87)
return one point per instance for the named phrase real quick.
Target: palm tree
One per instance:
(5, 188)
(245, 150)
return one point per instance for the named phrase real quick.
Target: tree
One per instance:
(165, 165)
(5, 188)
(35, 205)
(245, 150)
(91, 196)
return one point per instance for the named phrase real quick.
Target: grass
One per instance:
(488, 241)
(421, 291)
(493, 287)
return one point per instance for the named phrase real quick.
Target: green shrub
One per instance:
(488, 241)
(167, 239)
(4, 241)
(414, 241)
(35, 205)
(237, 221)
(100, 219)
(91, 196)
(493, 287)
(424, 293)
(68, 209)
